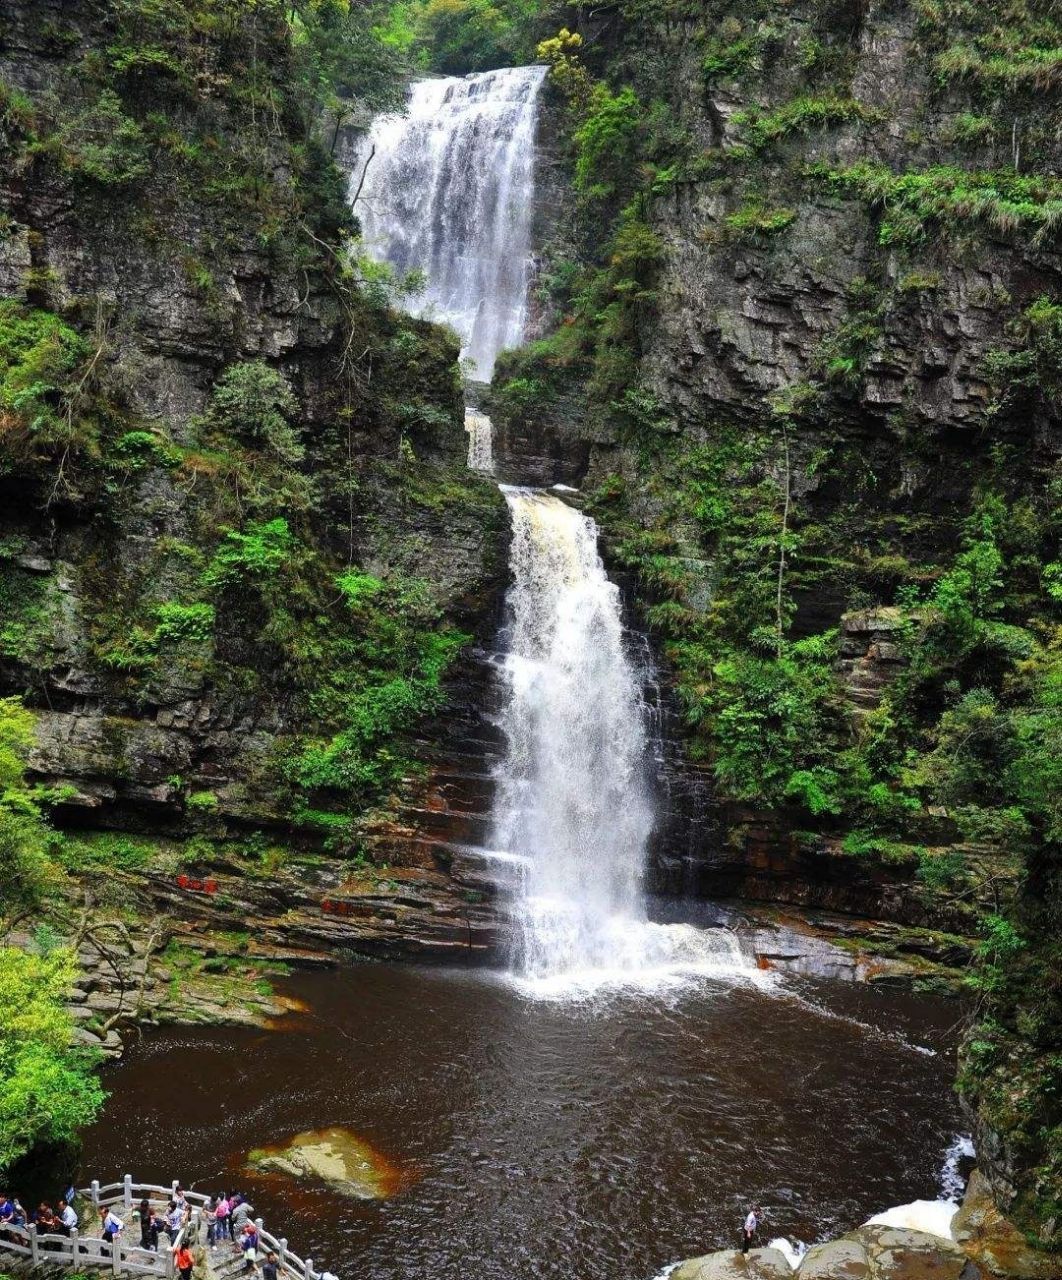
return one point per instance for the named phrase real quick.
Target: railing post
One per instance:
(73, 1246)
(173, 1188)
(307, 1269)
(127, 1193)
(259, 1224)
(282, 1244)
(35, 1256)
(169, 1261)
(195, 1226)
(116, 1256)
(95, 1192)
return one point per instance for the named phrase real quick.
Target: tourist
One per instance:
(158, 1225)
(211, 1210)
(144, 1213)
(249, 1245)
(183, 1260)
(113, 1226)
(7, 1207)
(221, 1213)
(174, 1220)
(269, 1267)
(748, 1232)
(241, 1215)
(68, 1218)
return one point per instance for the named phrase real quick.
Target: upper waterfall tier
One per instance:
(448, 190)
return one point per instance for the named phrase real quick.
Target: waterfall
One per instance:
(480, 441)
(573, 805)
(572, 797)
(448, 190)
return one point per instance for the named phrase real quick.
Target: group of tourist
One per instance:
(58, 1220)
(228, 1218)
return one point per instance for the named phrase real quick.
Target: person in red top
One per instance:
(183, 1260)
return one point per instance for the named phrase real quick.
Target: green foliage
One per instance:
(39, 355)
(49, 1090)
(182, 623)
(1030, 371)
(24, 835)
(761, 129)
(754, 218)
(103, 144)
(944, 198)
(250, 557)
(604, 142)
(770, 721)
(254, 403)
(458, 36)
(386, 657)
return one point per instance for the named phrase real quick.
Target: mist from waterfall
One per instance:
(448, 190)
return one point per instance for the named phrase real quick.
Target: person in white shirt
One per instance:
(68, 1218)
(748, 1232)
(113, 1226)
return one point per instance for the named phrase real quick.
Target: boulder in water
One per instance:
(334, 1156)
(844, 1259)
(732, 1264)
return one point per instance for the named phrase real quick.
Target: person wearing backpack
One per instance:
(222, 1219)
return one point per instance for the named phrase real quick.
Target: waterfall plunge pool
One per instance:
(590, 1140)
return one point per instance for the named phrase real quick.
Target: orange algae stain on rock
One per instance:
(335, 1157)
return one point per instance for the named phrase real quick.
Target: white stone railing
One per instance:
(78, 1251)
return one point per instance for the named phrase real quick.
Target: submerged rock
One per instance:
(334, 1156)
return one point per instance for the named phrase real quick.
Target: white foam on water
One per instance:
(952, 1182)
(932, 1216)
(793, 1250)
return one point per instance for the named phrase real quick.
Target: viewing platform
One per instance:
(25, 1249)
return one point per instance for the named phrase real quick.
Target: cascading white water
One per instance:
(573, 804)
(480, 441)
(572, 796)
(448, 191)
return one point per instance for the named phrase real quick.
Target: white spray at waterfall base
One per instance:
(573, 799)
(447, 191)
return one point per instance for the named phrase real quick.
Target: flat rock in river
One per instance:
(731, 1264)
(334, 1156)
(844, 1259)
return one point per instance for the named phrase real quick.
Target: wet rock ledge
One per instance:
(986, 1247)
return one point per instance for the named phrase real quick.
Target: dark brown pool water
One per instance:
(592, 1140)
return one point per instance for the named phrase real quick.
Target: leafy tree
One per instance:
(253, 402)
(24, 835)
(49, 1092)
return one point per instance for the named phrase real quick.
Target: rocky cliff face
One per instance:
(240, 556)
(809, 389)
